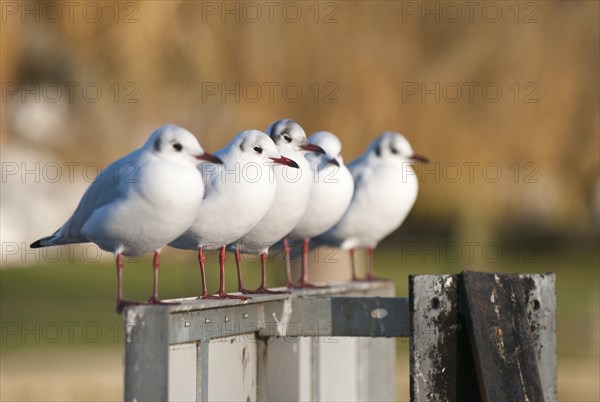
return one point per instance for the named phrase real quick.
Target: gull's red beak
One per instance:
(209, 158)
(285, 161)
(419, 158)
(313, 148)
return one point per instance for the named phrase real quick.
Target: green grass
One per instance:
(48, 305)
(77, 298)
(72, 304)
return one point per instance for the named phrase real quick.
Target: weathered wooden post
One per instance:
(483, 337)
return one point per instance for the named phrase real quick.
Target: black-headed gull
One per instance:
(238, 195)
(291, 196)
(330, 195)
(385, 190)
(140, 202)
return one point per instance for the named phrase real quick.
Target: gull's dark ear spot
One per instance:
(378, 151)
(286, 133)
(283, 128)
(157, 145)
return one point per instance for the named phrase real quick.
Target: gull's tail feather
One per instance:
(55, 239)
(43, 242)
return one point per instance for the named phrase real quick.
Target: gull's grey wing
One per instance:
(110, 185)
(360, 170)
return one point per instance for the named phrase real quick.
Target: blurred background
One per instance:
(503, 97)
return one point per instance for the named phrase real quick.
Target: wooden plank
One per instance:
(541, 313)
(500, 336)
(441, 367)
(439, 336)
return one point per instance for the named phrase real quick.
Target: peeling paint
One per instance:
(286, 314)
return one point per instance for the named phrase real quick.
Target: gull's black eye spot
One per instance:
(287, 138)
(394, 150)
(178, 147)
(258, 149)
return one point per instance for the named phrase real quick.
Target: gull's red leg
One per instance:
(288, 264)
(202, 262)
(120, 263)
(238, 264)
(263, 272)
(263, 282)
(121, 304)
(370, 271)
(370, 276)
(155, 265)
(222, 294)
(222, 271)
(304, 276)
(354, 277)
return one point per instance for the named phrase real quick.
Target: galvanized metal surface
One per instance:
(146, 354)
(182, 363)
(441, 361)
(195, 344)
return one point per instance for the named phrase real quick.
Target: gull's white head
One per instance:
(254, 145)
(392, 146)
(330, 143)
(289, 136)
(176, 143)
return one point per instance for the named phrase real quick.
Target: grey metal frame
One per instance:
(359, 309)
(272, 324)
